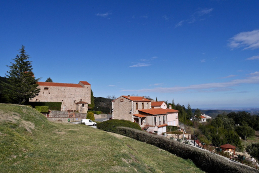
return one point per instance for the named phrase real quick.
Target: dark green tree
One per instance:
(189, 112)
(197, 114)
(21, 84)
(91, 106)
(49, 80)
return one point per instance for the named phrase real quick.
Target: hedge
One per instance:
(51, 105)
(42, 109)
(111, 125)
(208, 162)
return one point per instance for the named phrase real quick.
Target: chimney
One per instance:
(170, 106)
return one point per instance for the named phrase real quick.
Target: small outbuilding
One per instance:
(228, 148)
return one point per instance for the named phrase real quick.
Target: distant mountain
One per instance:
(214, 113)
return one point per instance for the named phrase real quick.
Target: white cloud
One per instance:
(179, 24)
(103, 14)
(255, 73)
(207, 87)
(229, 76)
(140, 65)
(204, 11)
(253, 58)
(203, 60)
(165, 17)
(196, 16)
(111, 85)
(248, 40)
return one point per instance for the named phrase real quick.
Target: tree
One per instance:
(49, 80)
(197, 114)
(91, 106)
(21, 84)
(189, 112)
(90, 115)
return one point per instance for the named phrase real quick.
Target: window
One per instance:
(46, 88)
(155, 121)
(83, 105)
(142, 105)
(136, 106)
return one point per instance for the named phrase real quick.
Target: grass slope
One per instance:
(30, 143)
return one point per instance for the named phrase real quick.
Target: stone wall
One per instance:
(122, 108)
(63, 116)
(69, 95)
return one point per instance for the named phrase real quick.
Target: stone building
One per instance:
(140, 110)
(74, 97)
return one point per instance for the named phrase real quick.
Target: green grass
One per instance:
(56, 147)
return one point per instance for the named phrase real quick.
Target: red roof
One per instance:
(158, 111)
(203, 117)
(85, 83)
(81, 102)
(163, 125)
(227, 146)
(139, 115)
(137, 98)
(155, 104)
(62, 84)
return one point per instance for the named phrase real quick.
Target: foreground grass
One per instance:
(55, 147)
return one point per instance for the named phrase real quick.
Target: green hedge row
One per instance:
(42, 109)
(111, 125)
(51, 105)
(208, 162)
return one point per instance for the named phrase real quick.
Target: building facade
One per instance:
(137, 109)
(74, 97)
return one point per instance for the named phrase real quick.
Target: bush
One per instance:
(42, 109)
(51, 105)
(111, 125)
(205, 160)
(90, 115)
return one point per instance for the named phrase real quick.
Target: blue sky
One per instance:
(205, 53)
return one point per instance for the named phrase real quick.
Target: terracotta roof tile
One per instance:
(59, 84)
(162, 125)
(85, 83)
(139, 115)
(158, 111)
(137, 98)
(62, 84)
(155, 104)
(227, 146)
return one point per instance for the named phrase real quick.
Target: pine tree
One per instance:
(49, 80)
(21, 84)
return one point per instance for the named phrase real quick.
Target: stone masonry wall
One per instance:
(67, 95)
(121, 109)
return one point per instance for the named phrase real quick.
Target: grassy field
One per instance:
(30, 143)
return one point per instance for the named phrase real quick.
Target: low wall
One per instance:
(101, 116)
(64, 116)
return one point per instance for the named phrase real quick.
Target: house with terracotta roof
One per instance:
(74, 97)
(138, 109)
(204, 118)
(159, 104)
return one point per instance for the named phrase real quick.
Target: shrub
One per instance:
(205, 160)
(51, 105)
(42, 109)
(90, 115)
(111, 125)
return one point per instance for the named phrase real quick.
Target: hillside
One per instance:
(30, 143)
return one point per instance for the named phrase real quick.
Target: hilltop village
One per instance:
(155, 117)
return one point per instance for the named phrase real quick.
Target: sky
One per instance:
(204, 52)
